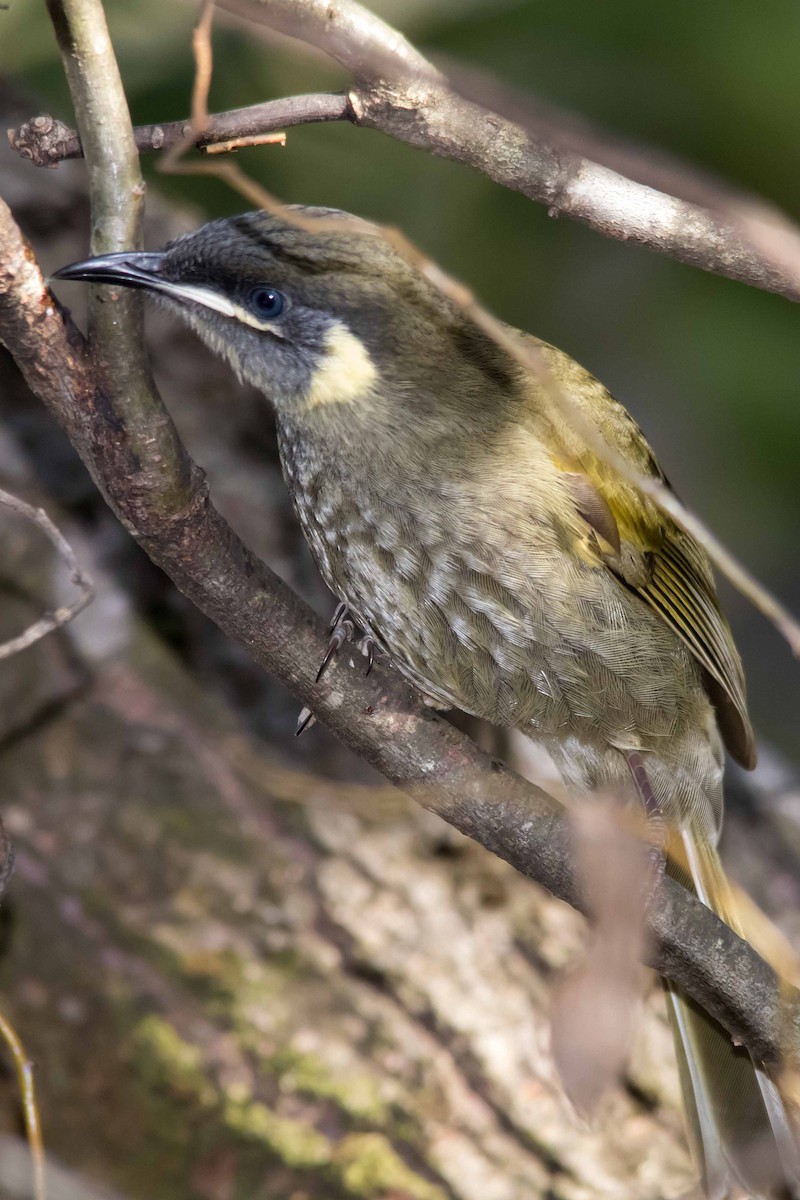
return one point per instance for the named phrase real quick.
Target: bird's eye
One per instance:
(265, 303)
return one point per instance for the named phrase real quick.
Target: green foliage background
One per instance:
(709, 367)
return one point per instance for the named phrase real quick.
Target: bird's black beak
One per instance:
(134, 269)
(140, 269)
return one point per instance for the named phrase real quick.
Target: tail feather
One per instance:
(738, 1122)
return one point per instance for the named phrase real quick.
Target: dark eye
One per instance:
(265, 303)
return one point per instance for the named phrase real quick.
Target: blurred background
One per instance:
(214, 999)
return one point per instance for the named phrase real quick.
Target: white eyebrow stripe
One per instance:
(209, 298)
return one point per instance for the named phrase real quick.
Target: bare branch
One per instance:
(47, 142)
(364, 44)
(63, 615)
(116, 188)
(403, 95)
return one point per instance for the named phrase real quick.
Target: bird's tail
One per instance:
(738, 1123)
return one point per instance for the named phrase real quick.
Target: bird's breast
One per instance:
(473, 591)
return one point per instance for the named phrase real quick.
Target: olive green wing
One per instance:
(681, 591)
(646, 550)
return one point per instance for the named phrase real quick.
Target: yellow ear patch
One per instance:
(345, 372)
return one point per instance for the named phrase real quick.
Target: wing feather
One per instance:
(650, 554)
(686, 601)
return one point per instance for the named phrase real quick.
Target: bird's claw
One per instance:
(341, 611)
(342, 630)
(367, 647)
(304, 721)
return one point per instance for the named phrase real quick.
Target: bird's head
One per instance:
(314, 310)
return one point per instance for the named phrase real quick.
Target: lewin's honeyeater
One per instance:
(499, 563)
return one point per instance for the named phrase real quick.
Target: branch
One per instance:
(402, 94)
(116, 188)
(46, 142)
(50, 621)
(733, 235)
(364, 44)
(162, 499)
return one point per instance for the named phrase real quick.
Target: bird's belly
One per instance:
(523, 635)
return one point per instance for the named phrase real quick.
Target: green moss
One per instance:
(356, 1095)
(164, 1061)
(171, 1070)
(369, 1167)
(296, 1143)
(362, 1166)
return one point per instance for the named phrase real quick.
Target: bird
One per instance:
(502, 566)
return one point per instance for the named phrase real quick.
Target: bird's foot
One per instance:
(342, 629)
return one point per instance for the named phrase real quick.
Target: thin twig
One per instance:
(243, 143)
(30, 1107)
(46, 142)
(173, 162)
(203, 67)
(713, 227)
(78, 576)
